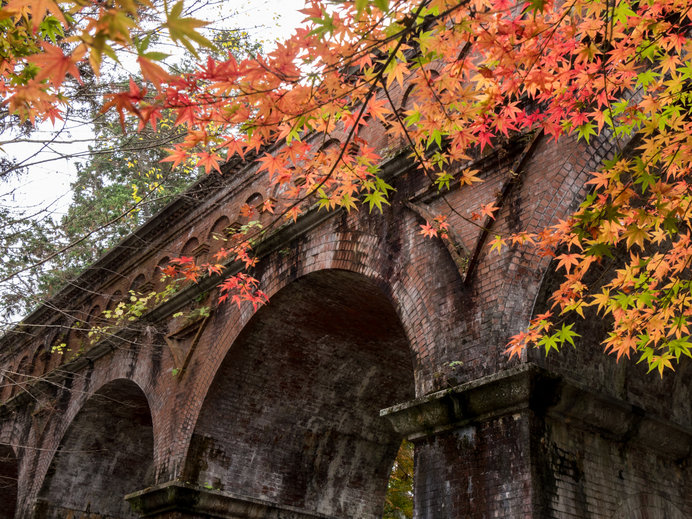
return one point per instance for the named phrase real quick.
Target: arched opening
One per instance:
(157, 276)
(292, 416)
(114, 300)
(138, 283)
(218, 235)
(9, 472)
(188, 249)
(41, 359)
(23, 371)
(106, 453)
(94, 317)
(218, 231)
(251, 210)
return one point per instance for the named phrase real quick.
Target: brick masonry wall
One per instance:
(583, 473)
(293, 413)
(107, 452)
(451, 327)
(481, 470)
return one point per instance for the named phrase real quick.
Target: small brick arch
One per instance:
(23, 369)
(189, 247)
(94, 316)
(157, 276)
(218, 236)
(218, 231)
(252, 208)
(14, 378)
(5, 385)
(114, 300)
(138, 283)
(162, 263)
(76, 339)
(41, 360)
(59, 338)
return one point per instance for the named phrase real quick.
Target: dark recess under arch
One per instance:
(107, 452)
(292, 416)
(9, 472)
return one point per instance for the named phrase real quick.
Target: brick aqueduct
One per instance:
(372, 333)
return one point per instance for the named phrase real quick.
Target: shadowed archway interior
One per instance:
(106, 453)
(9, 471)
(292, 416)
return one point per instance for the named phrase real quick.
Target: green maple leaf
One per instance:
(51, 28)
(535, 6)
(323, 25)
(549, 342)
(184, 29)
(586, 130)
(376, 199)
(566, 334)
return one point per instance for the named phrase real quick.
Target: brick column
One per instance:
(528, 443)
(472, 447)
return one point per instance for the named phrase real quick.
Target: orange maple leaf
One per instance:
(568, 261)
(38, 9)
(55, 65)
(125, 101)
(153, 72)
(176, 155)
(489, 210)
(271, 163)
(428, 230)
(209, 161)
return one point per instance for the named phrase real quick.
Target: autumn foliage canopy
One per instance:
(482, 71)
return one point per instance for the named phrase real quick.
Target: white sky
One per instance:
(47, 184)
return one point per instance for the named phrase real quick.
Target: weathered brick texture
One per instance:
(277, 414)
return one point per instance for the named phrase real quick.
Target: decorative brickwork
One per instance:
(226, 413)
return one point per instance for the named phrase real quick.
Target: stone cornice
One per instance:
(529, 387)
(183, 498)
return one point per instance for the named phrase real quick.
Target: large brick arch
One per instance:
(47, 422)
(416, 273)
(106, 452)
(415, 293)
(292, 415)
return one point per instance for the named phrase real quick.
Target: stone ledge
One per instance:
(176, 499)
(497, 394)
(44, 510)
(529, 387)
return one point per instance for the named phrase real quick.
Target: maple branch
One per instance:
(349, 136)
(420, 160)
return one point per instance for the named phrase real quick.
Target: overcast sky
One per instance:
(48, 182)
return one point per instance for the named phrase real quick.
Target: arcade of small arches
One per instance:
(73, 334)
